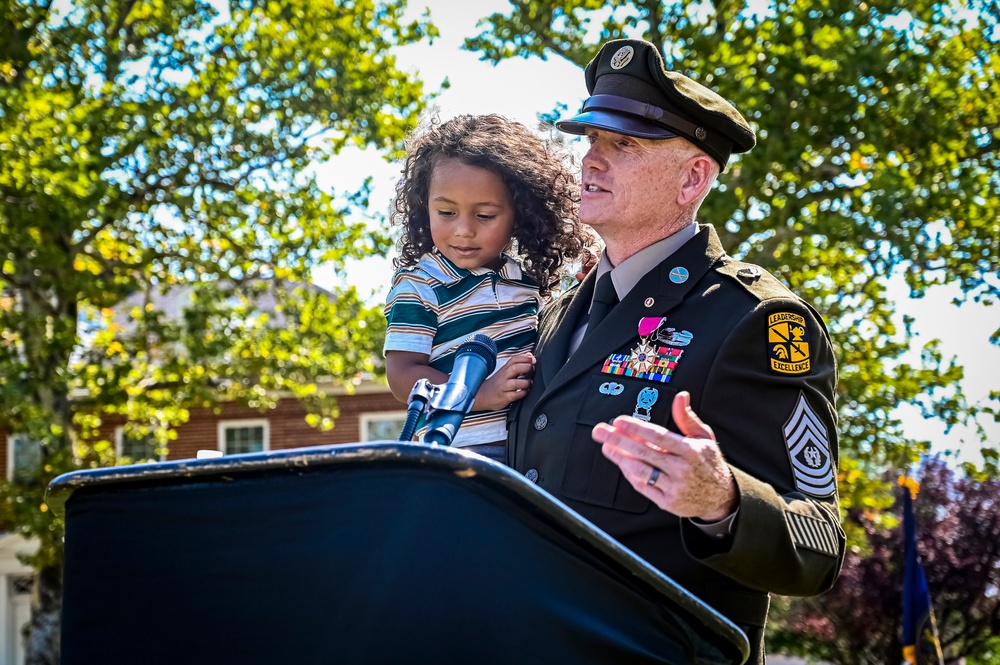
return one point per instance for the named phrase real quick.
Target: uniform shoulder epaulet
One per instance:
(757, 281)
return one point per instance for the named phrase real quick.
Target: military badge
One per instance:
(647, 360)
(649, 325)
(643, 356)
(788, 343)
(674, 337)
(644, 403)
(809, 451)
(611, 388)
(622, 57)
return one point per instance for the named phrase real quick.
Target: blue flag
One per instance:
(921, 645)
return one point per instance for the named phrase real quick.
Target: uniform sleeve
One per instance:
(769, 398)
(411, 313)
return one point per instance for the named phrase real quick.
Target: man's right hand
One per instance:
(684, 474)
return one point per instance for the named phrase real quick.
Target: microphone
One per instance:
(475, 359)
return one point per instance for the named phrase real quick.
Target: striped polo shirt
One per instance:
(434, 306)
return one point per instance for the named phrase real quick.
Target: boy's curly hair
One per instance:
(543, 189)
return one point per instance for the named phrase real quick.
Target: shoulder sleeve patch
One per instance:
(809, 451)
(788, 343)
(812, 534)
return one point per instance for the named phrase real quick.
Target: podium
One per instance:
(370, 553)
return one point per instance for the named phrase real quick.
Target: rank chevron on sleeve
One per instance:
(809, 450)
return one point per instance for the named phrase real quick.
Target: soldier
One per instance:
(741, 501)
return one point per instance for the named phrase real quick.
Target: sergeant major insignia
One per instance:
(809, 453)
(788, 343)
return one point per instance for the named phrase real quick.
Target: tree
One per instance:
(878, 155)
(153, 148)
(958, 530)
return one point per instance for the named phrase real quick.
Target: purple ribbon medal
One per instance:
(648, 360)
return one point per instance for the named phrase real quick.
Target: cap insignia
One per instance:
(622, 57)
(700, 133)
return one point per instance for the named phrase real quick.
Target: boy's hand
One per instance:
(509, 383)
(591, 258)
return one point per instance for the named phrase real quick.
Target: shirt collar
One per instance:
(440, 268)
(628, 273)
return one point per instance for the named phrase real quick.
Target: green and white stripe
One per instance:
(435, 305)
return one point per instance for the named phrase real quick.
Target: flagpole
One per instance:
(921, 644)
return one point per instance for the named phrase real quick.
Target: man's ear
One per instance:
(696, 179)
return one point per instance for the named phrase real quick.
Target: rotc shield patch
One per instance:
(809, 451)
(788, 343)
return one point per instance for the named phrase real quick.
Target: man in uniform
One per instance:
(683, 401)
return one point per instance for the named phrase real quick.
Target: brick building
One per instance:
(371, 413)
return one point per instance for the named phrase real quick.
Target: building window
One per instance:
(20, 584)
(16, 615)
(243, 436)
(384, 426)
(24, 458)
(136, 449)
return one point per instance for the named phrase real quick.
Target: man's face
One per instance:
(630, 183)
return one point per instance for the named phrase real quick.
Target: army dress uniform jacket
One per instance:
(759, 365)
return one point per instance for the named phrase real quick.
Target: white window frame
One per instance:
(119, 444)
(369, 417)
(11, 439)
(247, 422)
(12, 603)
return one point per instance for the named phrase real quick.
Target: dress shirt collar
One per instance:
(628, 273)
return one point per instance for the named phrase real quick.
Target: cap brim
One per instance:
(614, 122)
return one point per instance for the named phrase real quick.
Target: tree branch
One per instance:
(114, 58)
(654, 16)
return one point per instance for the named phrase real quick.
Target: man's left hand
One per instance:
(684, 474)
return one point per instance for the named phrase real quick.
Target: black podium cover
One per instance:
(374, 553)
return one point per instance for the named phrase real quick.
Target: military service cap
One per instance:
(632, 93)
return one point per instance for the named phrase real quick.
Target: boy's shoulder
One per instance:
(429, 270)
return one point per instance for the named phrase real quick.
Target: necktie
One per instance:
(605, 297)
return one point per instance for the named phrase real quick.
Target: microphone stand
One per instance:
(475, 359)
(434, 399)
(416, 403)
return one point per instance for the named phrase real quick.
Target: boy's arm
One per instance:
(512, 381)
(404, 368)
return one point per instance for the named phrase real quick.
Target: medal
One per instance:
(648, 360)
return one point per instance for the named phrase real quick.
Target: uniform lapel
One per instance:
(555, 332)
(654, 295)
